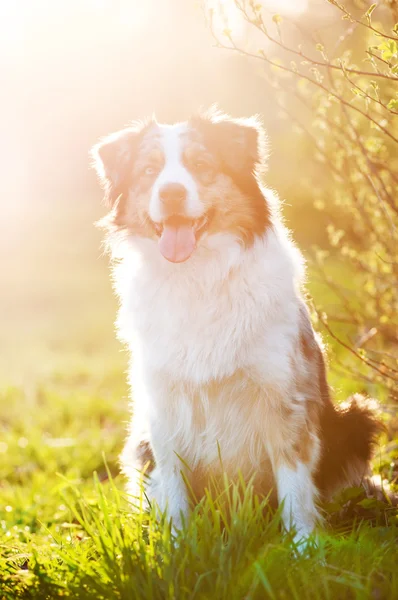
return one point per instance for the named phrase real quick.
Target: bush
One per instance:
(341, 97)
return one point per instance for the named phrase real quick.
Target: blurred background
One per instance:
(70, 73)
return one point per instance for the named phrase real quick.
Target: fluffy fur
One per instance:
(224, 357)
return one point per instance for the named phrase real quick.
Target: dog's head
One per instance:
(181, 184)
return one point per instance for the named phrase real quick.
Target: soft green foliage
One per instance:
(334, 77)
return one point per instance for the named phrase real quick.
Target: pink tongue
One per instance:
(177, 242)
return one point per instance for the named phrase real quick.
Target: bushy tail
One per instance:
(348, 433)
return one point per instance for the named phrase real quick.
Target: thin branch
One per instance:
(350, 371)
(264, 58)
(367, 25)
(381, 363)
(352, 350)
(392, 356)
(383, 208)
(388, 197)
(339, 292)
(294, 119)
(363, 213)
(259, 24)
(366, 95)
(379, 58)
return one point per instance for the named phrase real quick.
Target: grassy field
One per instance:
(66, 530)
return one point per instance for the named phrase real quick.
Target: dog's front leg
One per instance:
(297, 493)
(160, 411)
(293, 447)
(166, 486)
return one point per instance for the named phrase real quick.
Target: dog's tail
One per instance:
(349, 433)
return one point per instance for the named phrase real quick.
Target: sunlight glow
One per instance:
(68, 62)
(227, 14)
(288, 7)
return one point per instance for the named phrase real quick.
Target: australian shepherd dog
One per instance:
(224, 359)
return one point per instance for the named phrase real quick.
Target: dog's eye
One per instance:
(200, 165)
(150, 170)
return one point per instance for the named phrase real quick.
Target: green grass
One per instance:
(66, 527)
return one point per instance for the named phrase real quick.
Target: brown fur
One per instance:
(233, 153)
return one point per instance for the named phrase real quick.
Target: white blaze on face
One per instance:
(174, 171)
(177, 241)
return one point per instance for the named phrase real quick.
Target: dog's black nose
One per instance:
(173, 196)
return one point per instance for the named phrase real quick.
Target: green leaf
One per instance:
(389, 49)
(373, 144)
(368, 503)
(358, 92)
(348, 494)
(352, 493)
(393, 104)
(370, 10)
(264, 580)
(332, 507)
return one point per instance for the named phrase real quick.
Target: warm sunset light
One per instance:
(67, 63)
(198, 299)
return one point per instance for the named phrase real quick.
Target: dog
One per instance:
(224, 360)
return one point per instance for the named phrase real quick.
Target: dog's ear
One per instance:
(113, 159)
(240, 144)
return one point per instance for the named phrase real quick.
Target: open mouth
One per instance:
(198, 225)
(178, 236)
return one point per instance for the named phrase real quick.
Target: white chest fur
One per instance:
(206, 319)
(210, 338)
